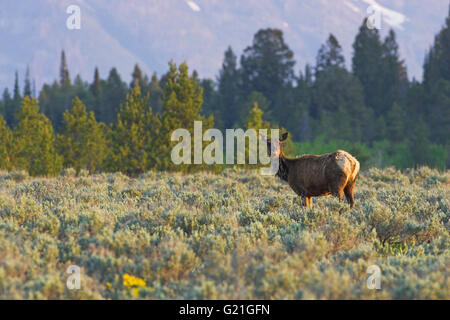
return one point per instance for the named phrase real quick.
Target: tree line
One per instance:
(373, 110)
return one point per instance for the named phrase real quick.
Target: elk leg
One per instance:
(337, 187)
(338, 192)
(308, 201)
(348, 190)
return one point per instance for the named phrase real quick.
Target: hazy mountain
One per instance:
(122, 33)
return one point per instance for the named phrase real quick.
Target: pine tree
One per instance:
(136, 77)
(95, 89)
(436, 87)
(82, 90)
(300, 124)
(64, 77)
(267, 67)
(7, 105)
(156, 93)
(6, 145)
(228, 92)
(255, 120)
(437, 61)
(395, 79)
(181, 107)
(209, 106)
(97, 149)
(132, 136)
(16, 92)
(34, 141)
(438, 112)
(96, 84)
(419, 145)
(337, 96)
(27, 85)
(396, 123)
(82, 143)
(366, 62)
(331, 78)
(54, 99)
(115, 92)
(261, 101)
(14, 106)
(330, 55)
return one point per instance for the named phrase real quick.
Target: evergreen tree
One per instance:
(64, 77)
(437, 61)
(137, 77)
(132, 136)
(96, 91)
(115, 92)
(45, 99)
(27, 85)
(308, 75)
(262, 103)
(267, 67)
(82, 143)
(156, 93)
(7, 106)
(209, 98)
(16, 92)
(415, 101)
(14, 106)
(366, 66)
(96, 84)
(255, 121)
(330, 55)
(181, 107)
(395, 79)
(300, 124)
(396, 123)
(437, 87)
(331, 78)
(82, 90)
(57, 98)
(228, 92)
(6, 145)
(438, 112)
(195, 76)
(329, 73)
(419, 144)
(34, 141)
(338, 97)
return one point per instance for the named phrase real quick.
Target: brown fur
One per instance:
(319, 175)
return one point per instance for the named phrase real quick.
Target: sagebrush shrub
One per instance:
(236, 235)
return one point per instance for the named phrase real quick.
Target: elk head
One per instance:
(275, 149)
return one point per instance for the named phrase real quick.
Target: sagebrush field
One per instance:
(236, 235)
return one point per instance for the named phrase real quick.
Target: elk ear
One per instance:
(284, 136)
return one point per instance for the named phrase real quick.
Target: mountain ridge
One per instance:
(121, 34)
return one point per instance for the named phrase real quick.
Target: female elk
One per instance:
(317, 175)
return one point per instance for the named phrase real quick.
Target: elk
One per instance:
(317, 175)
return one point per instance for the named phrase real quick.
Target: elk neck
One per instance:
(283, 169)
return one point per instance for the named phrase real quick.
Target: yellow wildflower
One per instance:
(132, 281)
